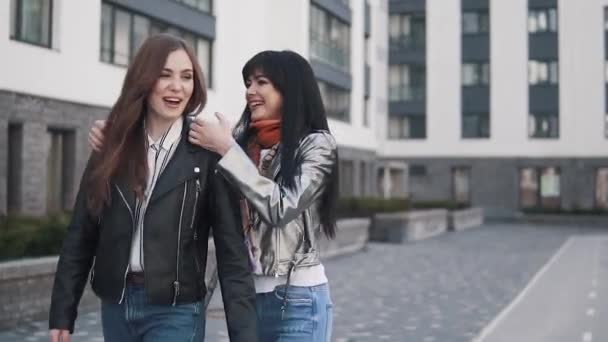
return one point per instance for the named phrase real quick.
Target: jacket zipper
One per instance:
(277, 256)
(179, 237)
(124, 285)
(198, 190)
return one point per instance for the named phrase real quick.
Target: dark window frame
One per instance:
(479, 15)
(16, 35)
(535, 134)
(539, 169)
(415, 121)
(480, 134)
(411, 41)
(546, 10)
(152, 22)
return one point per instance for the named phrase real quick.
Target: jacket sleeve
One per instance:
(234, 272)
(278, 204)
(75, 260)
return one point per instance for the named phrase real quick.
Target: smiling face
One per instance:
(263, 99)
(173, 89)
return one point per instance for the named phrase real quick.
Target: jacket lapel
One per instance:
(181, 167)
(125, 193)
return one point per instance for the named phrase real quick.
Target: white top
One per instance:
(159, 154)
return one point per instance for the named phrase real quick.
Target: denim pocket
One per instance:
(293, 296)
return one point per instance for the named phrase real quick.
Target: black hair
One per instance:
(302, 114)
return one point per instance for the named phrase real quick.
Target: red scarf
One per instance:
(267, 133)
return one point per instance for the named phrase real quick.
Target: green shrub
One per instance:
(367, 206)
(27, 236)
(443, 204)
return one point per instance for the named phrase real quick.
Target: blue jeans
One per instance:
(307, 316)
(136, 321)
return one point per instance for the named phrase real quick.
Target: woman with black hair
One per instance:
(283, 160)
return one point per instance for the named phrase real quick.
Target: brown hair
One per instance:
(123, 153)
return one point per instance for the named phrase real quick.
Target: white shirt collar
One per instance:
(172, 135)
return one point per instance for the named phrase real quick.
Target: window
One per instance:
(543, 126)
(60, 168)
(475, 74)
(122, 33)
(407, 83)
(543, 72)
(407, 31)
(475, 125)
(418, 170)
(542, 20)
(329, 39)
(13, 179)
(461, 185)
(540, 188)
(32, 21)
(601, 188)
(347, 178)
(475, 22)
(201, 5)
(336, 101)
(406, 127)
(363, 179)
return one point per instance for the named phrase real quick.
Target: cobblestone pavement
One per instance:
(444, 289)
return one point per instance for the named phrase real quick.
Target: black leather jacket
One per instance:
(188, 199)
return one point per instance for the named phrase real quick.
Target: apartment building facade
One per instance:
(64, 62)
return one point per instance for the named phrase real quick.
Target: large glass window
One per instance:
(475, 74)
(336, 101)
(406, 127)
(539, 187)
(543, 72)
(407, 31)
(475, 22)
(407, 82)
(475, 125)
(601, 188)
(543, 126)
(542, 20)
(122, 33)
(329, 39)
(31, 21)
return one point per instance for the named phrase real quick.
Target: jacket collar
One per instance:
(184, 165)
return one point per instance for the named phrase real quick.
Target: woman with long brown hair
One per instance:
(143, 213)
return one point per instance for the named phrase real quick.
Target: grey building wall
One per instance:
(364, 170)
(36, 115)
(3, 166)
(494, 182)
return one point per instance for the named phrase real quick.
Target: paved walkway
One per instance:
(566, 301)
(445, 289)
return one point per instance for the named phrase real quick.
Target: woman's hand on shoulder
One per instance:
(215, 136)
(96, 136)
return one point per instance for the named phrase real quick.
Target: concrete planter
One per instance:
(408, 226)
(26, 285)
(25, 291)
(465, 218)
(352, 236)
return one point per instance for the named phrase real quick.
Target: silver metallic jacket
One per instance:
(287, 226)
